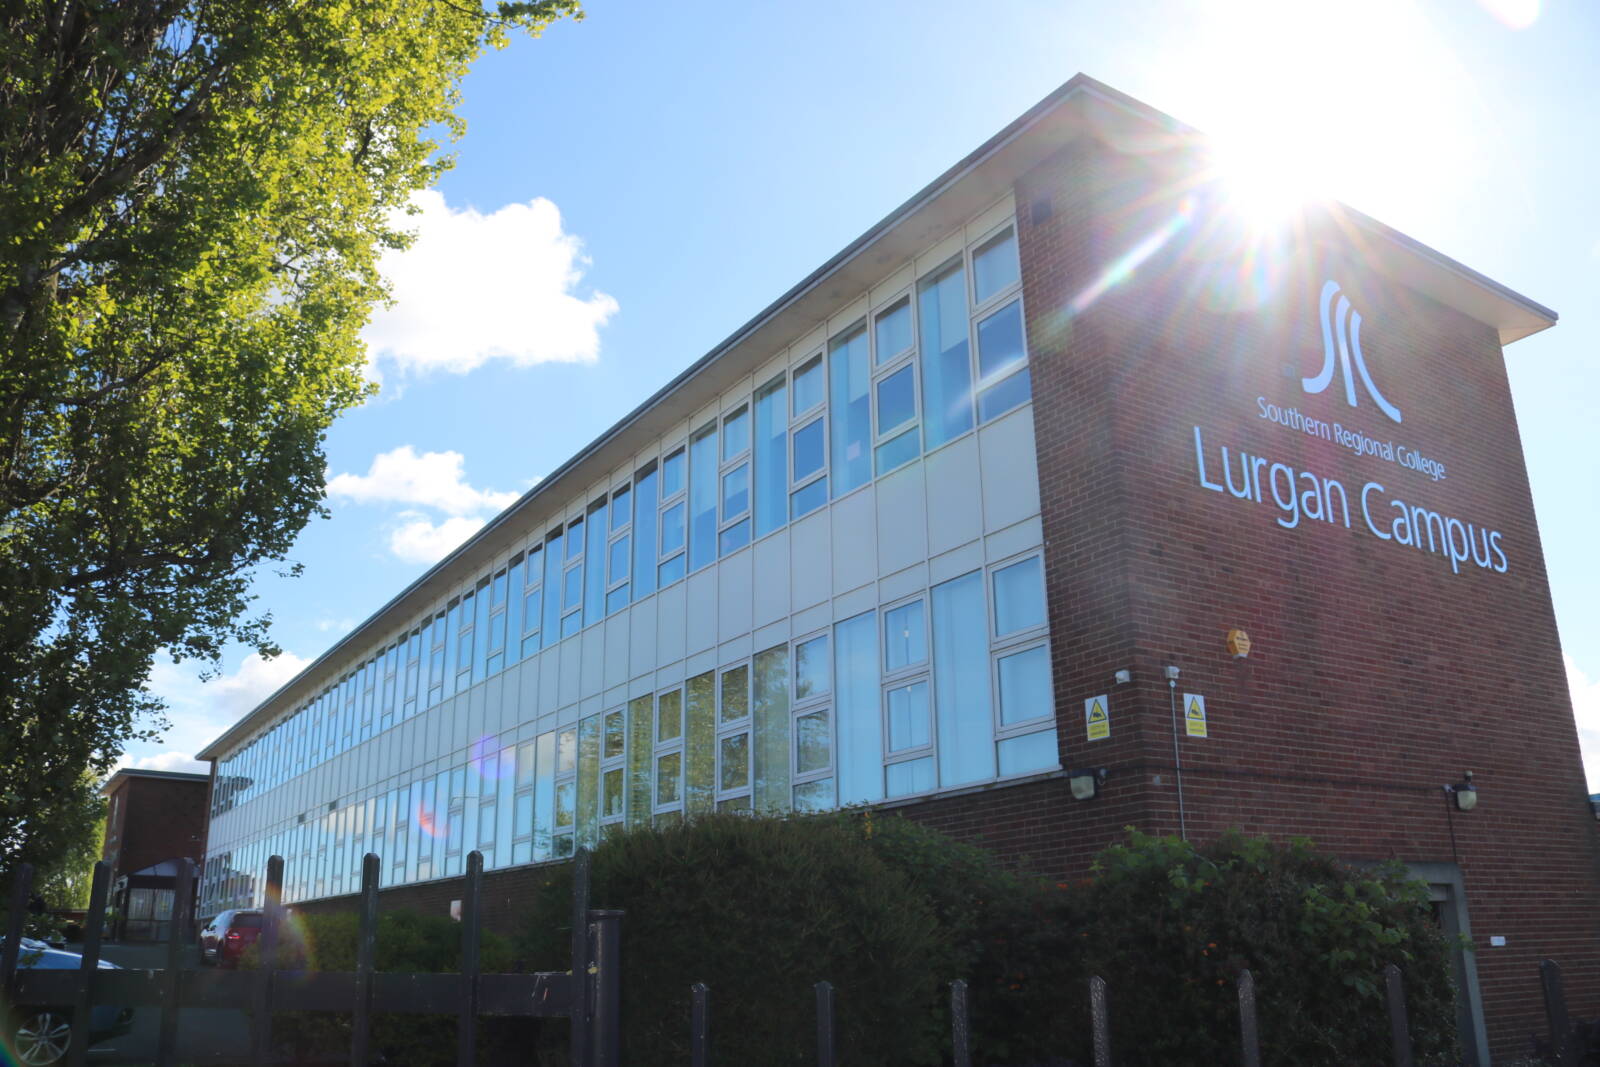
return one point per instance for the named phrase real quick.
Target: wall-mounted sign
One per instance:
(1097, 717)
(1194, 715)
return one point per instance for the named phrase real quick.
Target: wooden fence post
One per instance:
(471, 932)
(99, 889)
(827, 1046)
(960, 1024)
(699, 1025)
(582, 985)
(1555, 1011)
(1100, 1021)
(1399, 1027)
(1249, 1037)
(366, 961)
(266, 962)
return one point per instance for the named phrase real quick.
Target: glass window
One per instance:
(893, 331)
(735, 433)
(644, 534)
(1012, 392)
(735, 694)
(898, 451)
(673, 570)
(813, 742)
(611, 794)
(962, 696)
(594, 594)
(621, 509)
(1018, 597)
(994, 266)
(574, 539)
(909, 776)
(572, 588)
(736, 492)
(771, 458)
(856, 699)
(946, 372)
(808, 385)
(1030, 752)
(672, 471)
(814, 796)
(850, 405)
(805, 501)
(617, 565)
(672, 529)
(908, 717)
(669, 778)
(566, 796)
(734, 756)
(1025, 686)
(905, 642)
(614, 739)
(1000, 353)
(567, 751)
(669, 715)
(734, 537)
(808, 450)
(552, 583)
(811, 668)
(897, 400)
(703, 498)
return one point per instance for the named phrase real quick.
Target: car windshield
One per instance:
(246, 922)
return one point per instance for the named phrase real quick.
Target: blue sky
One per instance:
(633, 187)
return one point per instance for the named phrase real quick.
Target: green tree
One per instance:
(193, 196)
(76, 833)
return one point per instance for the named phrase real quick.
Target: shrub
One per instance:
(1169, 926)
(406, 942)
(760, 909)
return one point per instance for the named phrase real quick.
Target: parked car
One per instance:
(41, 1035)
(224, 939)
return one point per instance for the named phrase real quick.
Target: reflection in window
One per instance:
(905, 642)
(908, 717)
(771, 458)
(850, 408)
(644, 534)
(856, 701)
(703, 498)
(892, 331)
(1025, 686)
(808, 386)
(1018, 597)
(961, 681)
(946, 373)
(811, 668)
(1001, 353)
(994, 266)
(735, 433)
(672, 471)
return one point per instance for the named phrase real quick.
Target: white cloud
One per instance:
(432, 479)
(418, 540)
(475, 287)
(335, 626)
(200, 711)
(1586, 709)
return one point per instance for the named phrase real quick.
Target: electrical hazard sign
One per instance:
(1194, 715)
(1097, 717)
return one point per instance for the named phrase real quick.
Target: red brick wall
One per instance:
(1377, 674)
(157, 819)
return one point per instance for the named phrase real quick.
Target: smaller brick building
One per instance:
(153, 819)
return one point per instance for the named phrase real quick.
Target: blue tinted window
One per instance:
(1030, 752)
(892, 331)
(810, 498)
(946, 373)
(1011, 393)
(734, 537)
(572, 588)
(552, 585)
(735, 433)
(594, 586)
(808, 450)
(771, 458)
(898, 451)
(672, 470)
(908, 717)
(617, 566)
(1025, 686)
(808, 386)
(644, 534)
(961, 681)
(617, 599)
(897, 400)
(994, 266)
(1018, 597)
(911, 776)
(855, 684)
(621, 509)
(1000, 348)
(703, 498)
(736, 492)
(575, 539)
(672, 570)
(672, 529)
(850, 405)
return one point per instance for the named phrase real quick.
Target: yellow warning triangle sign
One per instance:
(1097, 712)
(1195, 710)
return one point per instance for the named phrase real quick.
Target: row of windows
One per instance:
(947, 688)
(808, 435)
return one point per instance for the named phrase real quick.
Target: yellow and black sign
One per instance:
(1194, 715)
(1097, 717)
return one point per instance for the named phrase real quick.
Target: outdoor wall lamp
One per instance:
(1464, 793)
(1086, 783)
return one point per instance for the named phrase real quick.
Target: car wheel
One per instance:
(41, 1036)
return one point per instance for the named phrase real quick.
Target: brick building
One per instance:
(980, 504)
(153, 820)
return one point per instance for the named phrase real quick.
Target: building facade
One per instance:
(153, 820)
(986, 500)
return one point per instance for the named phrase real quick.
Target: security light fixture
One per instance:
(1086, 783)
(1464, 793)
(1170, 673)
(1123, 677)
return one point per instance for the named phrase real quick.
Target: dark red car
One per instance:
(224, 939)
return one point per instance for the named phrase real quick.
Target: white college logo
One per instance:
(1342, 324)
